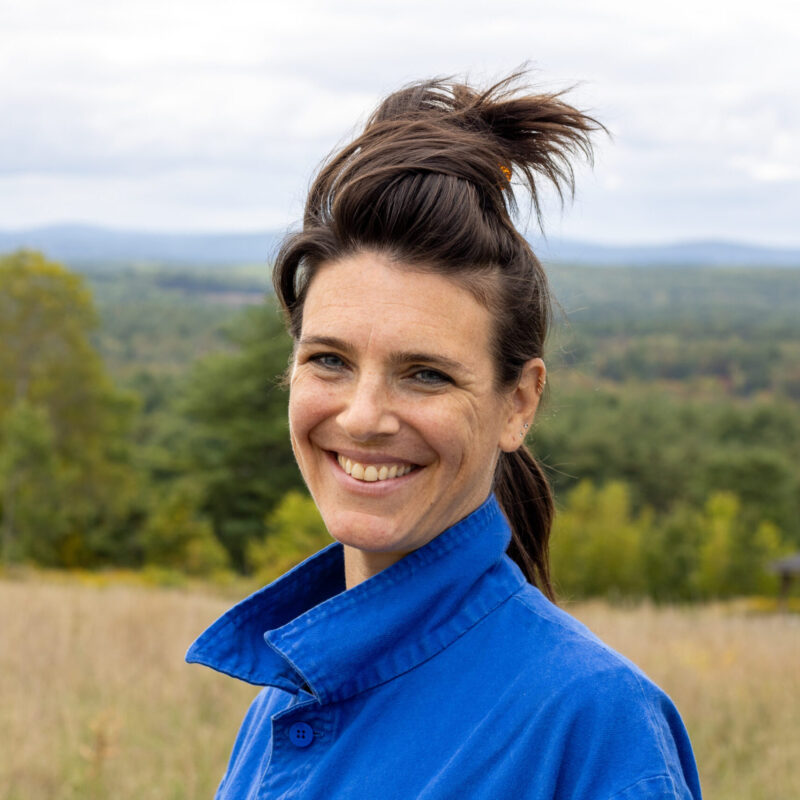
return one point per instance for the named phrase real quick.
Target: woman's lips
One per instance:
(369, 473)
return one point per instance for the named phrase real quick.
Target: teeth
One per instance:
(371, 473)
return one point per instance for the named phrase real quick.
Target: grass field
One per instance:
(96, 702)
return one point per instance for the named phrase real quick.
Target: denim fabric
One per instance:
(446, 675)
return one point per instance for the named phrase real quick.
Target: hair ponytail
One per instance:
(524, 495)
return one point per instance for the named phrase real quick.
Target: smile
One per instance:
(373, 472)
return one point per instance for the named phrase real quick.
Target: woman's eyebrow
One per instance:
(326, 341)
(435, 359)
(400, 357)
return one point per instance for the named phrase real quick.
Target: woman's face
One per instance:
(395, 420)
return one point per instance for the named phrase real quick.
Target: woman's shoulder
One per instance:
(600, 710)
(547, 632)
(553, 649)
(552, 660)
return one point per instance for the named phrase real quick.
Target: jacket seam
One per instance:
(658, 776)
(412, 667)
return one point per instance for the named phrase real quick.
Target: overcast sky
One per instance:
(211, 116)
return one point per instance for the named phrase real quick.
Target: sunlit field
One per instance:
(96, 701)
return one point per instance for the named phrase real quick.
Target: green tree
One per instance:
(31, 522)
(735, 553)
(238, 447)
(178, 537)
(671, 554)
(64, 424)
(768, 546)
(716, 562)
(597, 542)
(766, 481)
(294, 531)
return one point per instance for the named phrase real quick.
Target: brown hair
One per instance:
(428, 184)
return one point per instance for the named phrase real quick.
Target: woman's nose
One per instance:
(367, 413)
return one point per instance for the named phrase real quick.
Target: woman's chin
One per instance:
(367, 532)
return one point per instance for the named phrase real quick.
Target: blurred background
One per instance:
(151, 157)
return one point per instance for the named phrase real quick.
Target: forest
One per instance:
(143, 426)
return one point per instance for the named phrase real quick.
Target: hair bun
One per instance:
(534, 135)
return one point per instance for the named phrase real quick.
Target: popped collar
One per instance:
(305, 628)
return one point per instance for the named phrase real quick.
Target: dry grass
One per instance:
(96, 702)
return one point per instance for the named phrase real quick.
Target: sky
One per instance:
(192, 115)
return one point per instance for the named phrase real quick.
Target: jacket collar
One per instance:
(305, 627)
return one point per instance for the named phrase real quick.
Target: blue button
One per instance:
(301, 735)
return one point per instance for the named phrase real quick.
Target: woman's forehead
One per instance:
(367, 301)
(372, 285)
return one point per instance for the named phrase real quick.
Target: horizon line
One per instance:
(543, 240)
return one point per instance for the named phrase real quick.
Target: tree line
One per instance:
(184, 462)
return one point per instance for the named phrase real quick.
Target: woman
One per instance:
(414, 658)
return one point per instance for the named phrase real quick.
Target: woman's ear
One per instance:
(523, 402)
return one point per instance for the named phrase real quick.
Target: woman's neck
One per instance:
(359, 565)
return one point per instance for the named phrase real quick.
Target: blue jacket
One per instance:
(446, 675)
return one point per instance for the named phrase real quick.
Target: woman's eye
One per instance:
(327, 360)
(431, 377)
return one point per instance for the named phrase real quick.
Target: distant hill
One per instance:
(88, 245)
(689, 253)
(80, 245)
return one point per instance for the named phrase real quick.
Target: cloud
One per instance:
(209, 116)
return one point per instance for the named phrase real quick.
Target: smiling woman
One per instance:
(416, 657)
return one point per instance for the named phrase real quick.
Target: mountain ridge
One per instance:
(95, 245)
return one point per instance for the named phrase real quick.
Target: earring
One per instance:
(540, 386)
(524, 428)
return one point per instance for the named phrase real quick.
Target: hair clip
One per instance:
(506, 172)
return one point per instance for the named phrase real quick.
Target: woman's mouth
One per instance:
(373, 472)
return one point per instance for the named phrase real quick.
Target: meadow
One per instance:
(96, 701)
